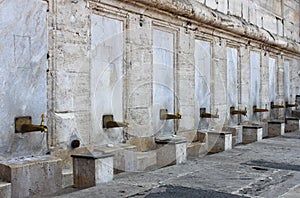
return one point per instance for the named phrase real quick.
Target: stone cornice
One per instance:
(196, 11)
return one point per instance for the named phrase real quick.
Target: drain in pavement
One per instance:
(259, 168)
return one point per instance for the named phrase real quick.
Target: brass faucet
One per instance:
(203, 114)
(273, 106)
(256, 110)
(238, 112)
(24, 124)
(165, 116)
(291, 105)
(108, 122)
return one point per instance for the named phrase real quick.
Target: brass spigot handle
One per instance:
(45, 129)
(43, 117)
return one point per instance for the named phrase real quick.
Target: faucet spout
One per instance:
(257, 110)
(109, 122)
(238, 112)
(165, 116)
(204, 114)
(24, 125)
(31, 127)
(291, 105)
(273, 106)
(113, 124)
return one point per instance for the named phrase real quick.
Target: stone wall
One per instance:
(23, 61)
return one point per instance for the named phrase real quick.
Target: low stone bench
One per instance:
(90, 169)
(252, 134)
(170, 151)
(291, 124)
(32, 176)
(218, 141)
(275, 128)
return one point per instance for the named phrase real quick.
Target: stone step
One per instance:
(5, 190)
(292, 124)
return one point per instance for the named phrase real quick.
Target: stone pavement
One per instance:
(270, 168)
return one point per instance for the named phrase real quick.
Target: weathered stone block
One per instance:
(265, 127)
(237, 134)
(34, 176)
(252, 134)
(296, 113)
(275, 128)
(219, 141)
(124, 156)
(292, 124)
(90, 169)
(171, 151)
(5, 190)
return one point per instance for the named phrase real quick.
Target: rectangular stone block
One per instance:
(33, 176)
(90, 169)
(171, 152)
(296, 113)
(265, 127)
(5, 190)
(275, 128)
(219, 141)
(292, 124)
(252, 134)
(237, 134)
(124, 157)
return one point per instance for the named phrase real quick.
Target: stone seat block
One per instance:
(296, 113)
(276, 128)
(252, 134)
(237, 134)
(32, 176)
(90, 169)
(219, 141)
(292, 124)
(124, 156)
(170, 151)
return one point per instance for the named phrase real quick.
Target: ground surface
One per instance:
(270, 168)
